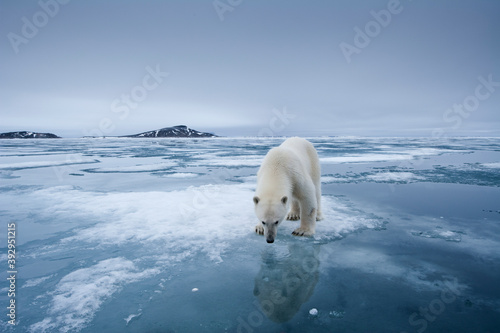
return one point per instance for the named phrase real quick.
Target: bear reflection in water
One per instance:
(284, 283)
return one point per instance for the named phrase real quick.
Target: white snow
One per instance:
(380, 157)
(313, 312)
(43, 164)
(132, 316)
(447, 235)
(79, 294)
(495, 165)
(37, 281)
(330, 179)
(342, 217)
(364, 158)
(206, 218)
(232, 161)
(182, 175)
(394, 177)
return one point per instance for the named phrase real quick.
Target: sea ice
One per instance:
(147, 226)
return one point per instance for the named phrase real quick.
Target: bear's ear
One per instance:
(256, 200)
(284, 200)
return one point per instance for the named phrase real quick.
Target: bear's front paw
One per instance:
(259, 229)
(319, 216)
(302, 232)
(293, 216)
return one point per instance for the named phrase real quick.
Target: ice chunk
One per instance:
(313, 312)
(447, 235)
(132, 316)
(182, 175)
(491, 165)
(43, 164)
(398, 177)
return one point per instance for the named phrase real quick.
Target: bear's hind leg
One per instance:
(294, 213)
(317, 186)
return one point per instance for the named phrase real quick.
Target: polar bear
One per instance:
(288, 181)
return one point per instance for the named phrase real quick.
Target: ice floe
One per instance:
(43, 164)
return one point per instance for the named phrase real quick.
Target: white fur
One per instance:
(288, 181)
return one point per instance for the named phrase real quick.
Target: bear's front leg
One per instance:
(307, 224)
(303, 232)
(259, 229)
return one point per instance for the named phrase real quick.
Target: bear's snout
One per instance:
(270, 240)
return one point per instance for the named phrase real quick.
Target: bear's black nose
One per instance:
(270, 240)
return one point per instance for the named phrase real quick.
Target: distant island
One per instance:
(180, 131)
(28, 135)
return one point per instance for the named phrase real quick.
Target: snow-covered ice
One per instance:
(144, 235)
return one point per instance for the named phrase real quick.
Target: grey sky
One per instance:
(241, 67)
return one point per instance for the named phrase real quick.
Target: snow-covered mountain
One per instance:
(27, 135)
(180, 131)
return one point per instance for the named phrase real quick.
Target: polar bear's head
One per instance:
(271, 211)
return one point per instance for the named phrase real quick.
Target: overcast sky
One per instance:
(241, 67)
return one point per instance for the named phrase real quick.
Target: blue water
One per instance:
(156, 235)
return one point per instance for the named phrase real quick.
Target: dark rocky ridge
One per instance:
(27, 135)
(180, 131)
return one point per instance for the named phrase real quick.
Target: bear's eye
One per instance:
(264, 223)
(276, 222)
